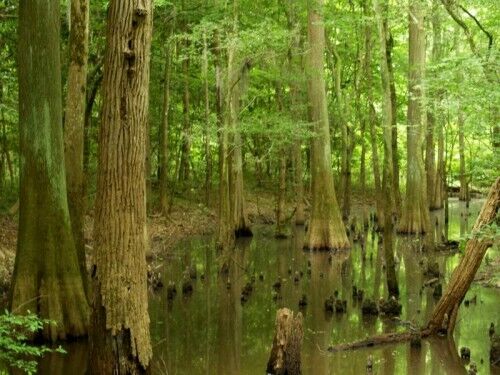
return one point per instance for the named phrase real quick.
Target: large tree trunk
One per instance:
(47, 279)
(326, 229)
(285, 357)
(74, 122)
(120, 339)
(415, 216)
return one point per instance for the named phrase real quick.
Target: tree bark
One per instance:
(225, 232)
(237, 72)
(120, 339)
(395, 154)
(74, 123)
(415, 216)
(164, 131)
(326, 229)
(463, 194)
(206, 129)
(186, 124)
(387, 123)
(444, 315)
(47, 278)
(436, 196)
(371, 119)
(447, 308)
(285, 358)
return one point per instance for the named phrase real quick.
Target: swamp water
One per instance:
(212, 332)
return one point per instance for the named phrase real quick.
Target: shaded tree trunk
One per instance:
(206, 130)
(285, 357)
(163, 150)
(225, 233)
(415, 216)
(295, 102)
(436, 196)
(394, 138)
(237, 72)
(371, 119)
(463, 194)
(47, 278)
(120, 339)
(387, 123)
(280, 203)
(186, 124)
(74, 123)
(326, 229)
(430, 162)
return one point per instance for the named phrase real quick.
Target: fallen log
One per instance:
(444, 315)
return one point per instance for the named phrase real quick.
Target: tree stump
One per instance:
(285, 358)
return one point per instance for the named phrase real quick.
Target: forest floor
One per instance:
(185, 220)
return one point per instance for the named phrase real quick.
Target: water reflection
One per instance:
(212, 332)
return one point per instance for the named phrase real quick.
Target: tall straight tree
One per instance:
(236, 80)
(74, 121)
(415, 216)
(225, 232)
(47, 276)
(326, 229)
(120, 339)
(388, 187)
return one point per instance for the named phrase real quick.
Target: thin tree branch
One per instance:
(490, 37)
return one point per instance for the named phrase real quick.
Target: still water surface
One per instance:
(212, 332)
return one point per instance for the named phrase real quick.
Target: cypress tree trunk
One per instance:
(430, 162)
(295, 94)
(371, 119)
(463, 195)
(47, 278)
(437, 193)
(346, 135)
(415, 216)
(206, 130)
(326, 229)
(225, 233)
(120, 340)
(237, 72)
(394, 137)
(164, 132)
(381, 9)
(280, 204)
(75, 122)
(387, 112)
(186, 124)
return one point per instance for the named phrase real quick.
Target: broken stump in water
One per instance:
(285, 355)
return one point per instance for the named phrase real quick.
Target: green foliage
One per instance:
(15, 331)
